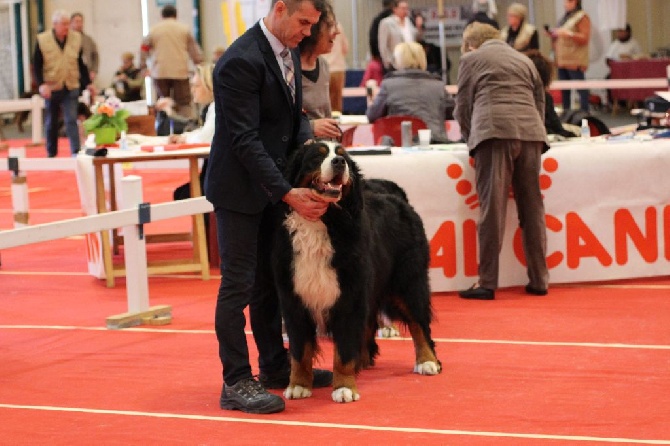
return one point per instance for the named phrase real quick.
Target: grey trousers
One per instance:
(499, 164)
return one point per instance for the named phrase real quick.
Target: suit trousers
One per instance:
(180, 91)
(499, 164)
(245, 245)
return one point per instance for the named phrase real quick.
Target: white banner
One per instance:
(607, 209)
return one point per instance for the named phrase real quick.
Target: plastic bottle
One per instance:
(586, 130)
(123, 142)
(406, 133)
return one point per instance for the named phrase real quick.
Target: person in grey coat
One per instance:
(395, 29)
(413, 91)
(500, 109)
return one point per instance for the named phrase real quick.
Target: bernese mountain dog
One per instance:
(368, 254)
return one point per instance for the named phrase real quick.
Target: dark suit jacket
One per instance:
(257, 126)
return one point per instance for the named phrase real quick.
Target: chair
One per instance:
(347, 139)
(390, 126)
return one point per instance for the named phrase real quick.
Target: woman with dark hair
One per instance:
(552, 122)
(316, 75)
(571, 48)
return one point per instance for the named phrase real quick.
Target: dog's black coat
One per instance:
(381, 256)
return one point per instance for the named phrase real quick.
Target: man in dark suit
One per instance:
(258, 100)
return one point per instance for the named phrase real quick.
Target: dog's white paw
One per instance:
(297, 392)
(427, 368)
(345, 395)
(389, 331)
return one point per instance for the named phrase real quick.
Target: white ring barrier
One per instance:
(34, 105)
(137, 290)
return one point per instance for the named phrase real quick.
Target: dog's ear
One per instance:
(294, 163)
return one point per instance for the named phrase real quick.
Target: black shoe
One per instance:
(477, 292)
(249, 395)
(280, 380)
(536, 291)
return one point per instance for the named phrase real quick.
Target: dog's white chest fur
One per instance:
(314, 278)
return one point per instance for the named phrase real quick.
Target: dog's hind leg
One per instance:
(426, 360)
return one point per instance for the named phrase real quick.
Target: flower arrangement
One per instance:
(108, 115)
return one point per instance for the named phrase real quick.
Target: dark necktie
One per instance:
(289, 71)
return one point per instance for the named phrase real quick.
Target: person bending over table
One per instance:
(316, 75)
(411, 90)
(500, 108)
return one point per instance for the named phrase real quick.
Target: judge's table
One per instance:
(607, 203)
(98, 179)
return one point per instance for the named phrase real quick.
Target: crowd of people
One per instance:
(280, 83)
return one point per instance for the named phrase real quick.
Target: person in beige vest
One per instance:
(500, 109)
(88, 46)
(60, 73)
(170, 45)
(570, 41)
(519, 34)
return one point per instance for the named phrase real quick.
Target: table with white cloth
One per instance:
(607, 209)
(98, 190)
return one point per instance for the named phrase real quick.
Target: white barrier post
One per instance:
(134, 249)
(36, 118)
(135, 255)
(20, 202)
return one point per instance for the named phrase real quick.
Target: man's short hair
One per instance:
(59, 15)
(169, 11)
(476, 33)
(77, 14)
(293, 5)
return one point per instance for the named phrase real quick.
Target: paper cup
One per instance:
(424, 137)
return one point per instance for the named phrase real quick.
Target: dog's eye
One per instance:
(340, 151)
(323, 150)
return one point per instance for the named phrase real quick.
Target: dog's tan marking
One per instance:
(344, 381)
(424, 352)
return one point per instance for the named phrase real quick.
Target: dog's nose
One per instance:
(338, 163)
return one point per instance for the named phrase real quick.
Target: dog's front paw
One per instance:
(297, 392)
(428, 368)
(345, 395)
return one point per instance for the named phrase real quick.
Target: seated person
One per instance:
(551, 120)
(624, 47)
(202, 89)
(316, 76)
(411, 90)
(128, 81)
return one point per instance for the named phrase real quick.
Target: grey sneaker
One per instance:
(248, 395)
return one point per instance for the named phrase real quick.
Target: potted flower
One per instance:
(108, 119)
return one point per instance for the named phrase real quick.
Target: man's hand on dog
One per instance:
(305, 203)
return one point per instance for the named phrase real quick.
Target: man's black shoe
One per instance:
(477, 292)
(280, 380)
(536, 291)
(249, 395)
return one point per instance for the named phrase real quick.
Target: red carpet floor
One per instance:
(588, 364)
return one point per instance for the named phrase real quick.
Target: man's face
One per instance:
(402, 10)
(61, 28)
(77, 23)
(292, 28)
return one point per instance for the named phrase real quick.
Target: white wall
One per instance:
(116, 27)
